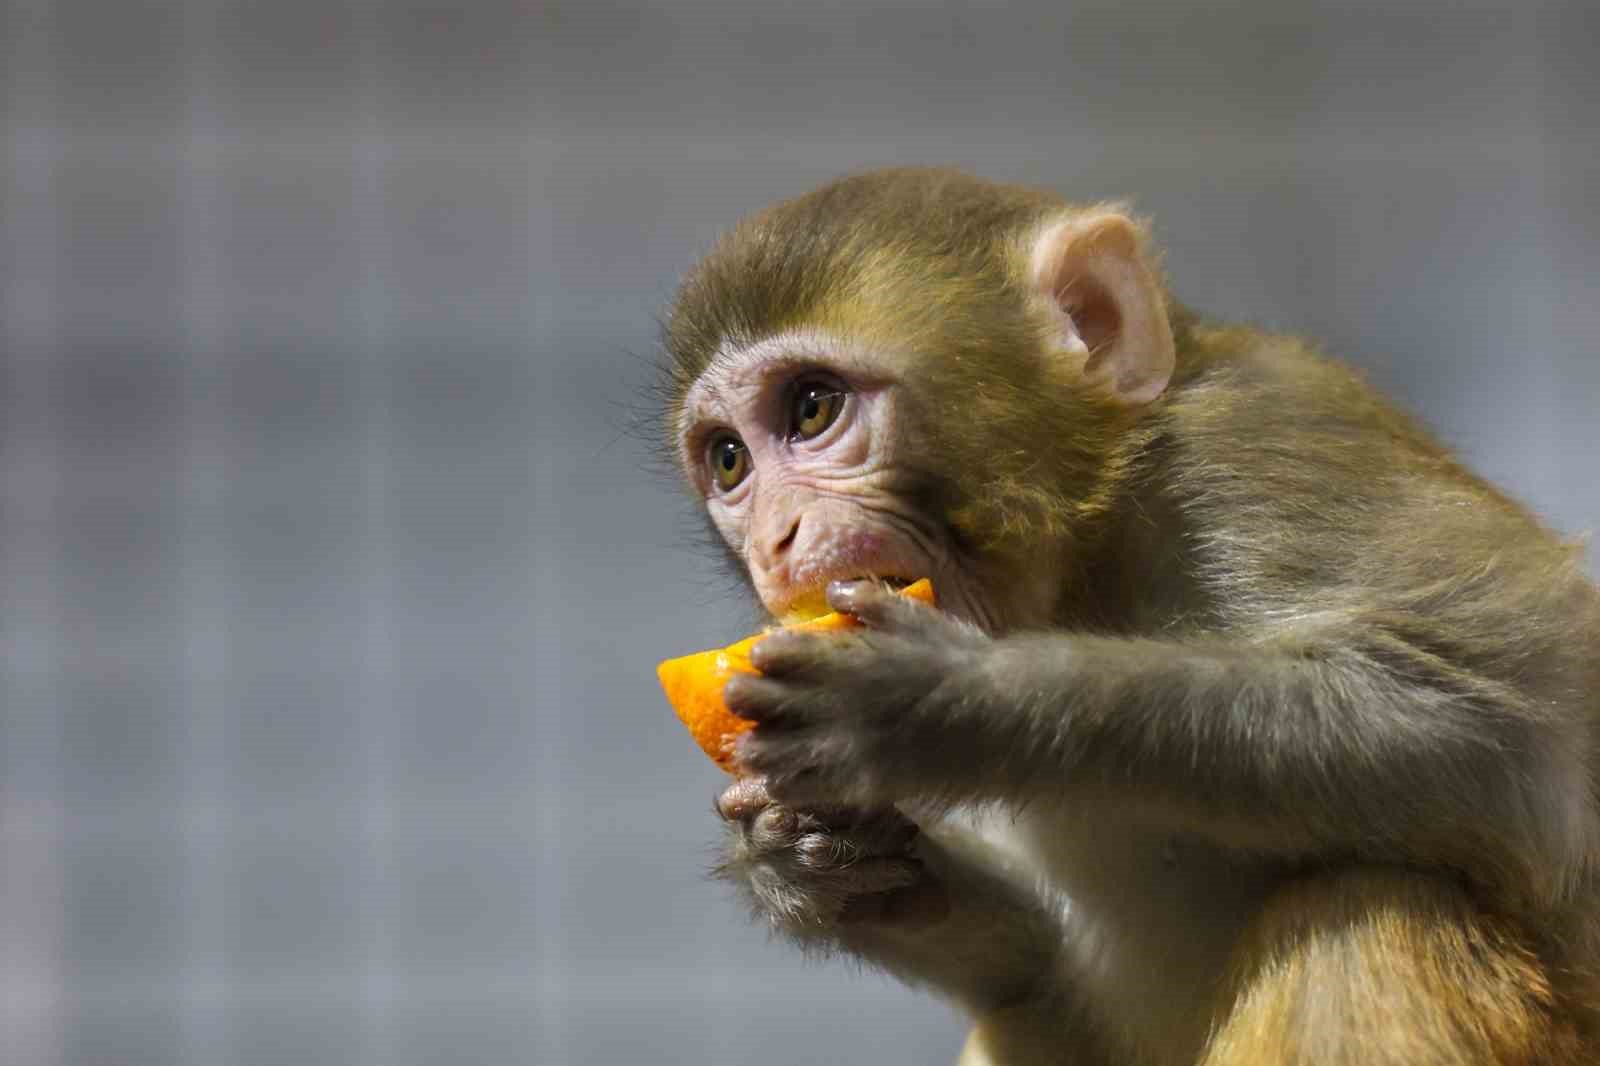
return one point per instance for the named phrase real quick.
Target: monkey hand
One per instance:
(869, 717)
(812, 872)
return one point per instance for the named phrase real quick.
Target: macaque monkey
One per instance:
(1251, 728)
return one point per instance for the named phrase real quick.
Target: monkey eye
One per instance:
(813, 408)
(729, 461)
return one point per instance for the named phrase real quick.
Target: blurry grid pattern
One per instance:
(323, 573)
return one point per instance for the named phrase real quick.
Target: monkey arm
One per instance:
(991, 946)
(976, 935)
(1356, 742)
(1344, 739)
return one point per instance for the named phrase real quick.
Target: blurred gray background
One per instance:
(330, 586)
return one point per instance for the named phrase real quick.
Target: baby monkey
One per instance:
(1251, 728)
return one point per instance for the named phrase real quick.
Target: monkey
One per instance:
(1251, 726)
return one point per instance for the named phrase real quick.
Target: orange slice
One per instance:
(694, 683)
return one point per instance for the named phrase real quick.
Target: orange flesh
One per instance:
(694, 683)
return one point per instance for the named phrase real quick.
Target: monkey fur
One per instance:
(1253, 729)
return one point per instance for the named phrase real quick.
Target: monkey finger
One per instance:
(788, 653)
(743, 800)
(876, 607)
(774, 829)
(755, 699)
(825, 851)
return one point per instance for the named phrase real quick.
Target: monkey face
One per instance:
(950, 396)
(799, 445)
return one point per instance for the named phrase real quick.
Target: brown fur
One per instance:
(923, 260)
(1268, 502)
(1388, 968)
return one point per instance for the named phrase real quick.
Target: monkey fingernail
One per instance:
(846, 595)
(873, 605)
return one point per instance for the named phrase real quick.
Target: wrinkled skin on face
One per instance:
(850, 502)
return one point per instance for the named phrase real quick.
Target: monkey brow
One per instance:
(797, 350)
(765, 357)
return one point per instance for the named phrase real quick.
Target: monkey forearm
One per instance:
(988, 943)
(995, 952)
(1341, 747)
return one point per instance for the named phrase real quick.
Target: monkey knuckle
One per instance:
(777, 820)
(819, 850)
(770, 835)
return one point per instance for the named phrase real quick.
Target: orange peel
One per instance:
(694, 683)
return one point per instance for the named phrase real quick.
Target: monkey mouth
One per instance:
(894, 583)
(813, 601)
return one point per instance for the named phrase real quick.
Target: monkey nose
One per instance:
(773, 548)
(788, 538)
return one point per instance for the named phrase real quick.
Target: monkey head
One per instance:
(914, 373)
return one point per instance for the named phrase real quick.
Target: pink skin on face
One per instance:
(811, 511)
(805, 530)
(829, 552)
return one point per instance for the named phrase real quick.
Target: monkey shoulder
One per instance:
(1302, 491)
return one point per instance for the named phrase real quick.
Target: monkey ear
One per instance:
(1091, 267)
